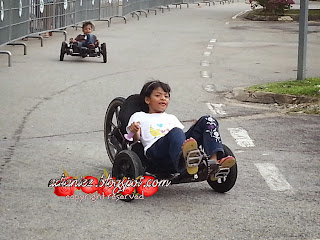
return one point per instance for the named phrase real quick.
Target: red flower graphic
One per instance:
(65, 191)
(90, 181)
(106, 191)
(144, 189)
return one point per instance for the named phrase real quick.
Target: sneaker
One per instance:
(224, 165)
(227, 162)
(221, 173)
(192, 155)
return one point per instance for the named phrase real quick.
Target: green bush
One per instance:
(275, 7)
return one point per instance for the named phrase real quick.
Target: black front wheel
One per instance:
(226, 183)
(64, 46)
(127, 165)
(104, 52)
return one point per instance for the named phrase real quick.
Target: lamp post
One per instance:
(303, 32)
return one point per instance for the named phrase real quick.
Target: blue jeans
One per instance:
(90, 39)
(166, 152)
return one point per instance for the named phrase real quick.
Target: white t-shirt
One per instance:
(154, 126)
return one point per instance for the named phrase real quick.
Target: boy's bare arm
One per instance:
(135, 128)
(136, 137)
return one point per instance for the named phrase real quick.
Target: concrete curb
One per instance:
(241, 94)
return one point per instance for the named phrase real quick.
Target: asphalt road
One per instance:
(52, 116)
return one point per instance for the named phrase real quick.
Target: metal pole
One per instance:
(303, 31)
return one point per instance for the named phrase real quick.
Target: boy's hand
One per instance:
(135, 127)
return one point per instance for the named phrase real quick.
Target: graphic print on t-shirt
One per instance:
(158, 130)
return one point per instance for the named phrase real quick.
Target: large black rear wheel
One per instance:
(113, 138)
(226, 183)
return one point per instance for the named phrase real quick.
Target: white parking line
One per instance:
(216, 108)
(241, 137)
(204, 63)
(205, 74)
(211, 108)
(273, 177)
(209, 88)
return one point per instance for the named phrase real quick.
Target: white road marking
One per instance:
(213, 40)
(216, 108)
(209, 88)
(211, 108)
(204, 63)
(273, 177)
(239, 151)
(206, 54)
(241, 137)
(206, 74)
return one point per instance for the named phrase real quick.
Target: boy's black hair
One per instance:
(150, 86)
(84, 24)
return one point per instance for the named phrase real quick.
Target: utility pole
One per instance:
(303, 32)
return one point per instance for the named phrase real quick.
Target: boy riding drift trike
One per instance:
(84, 45)
(157, 145)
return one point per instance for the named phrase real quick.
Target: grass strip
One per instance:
(308, 87)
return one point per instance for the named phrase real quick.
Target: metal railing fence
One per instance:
(22, 18)
(27, 18)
